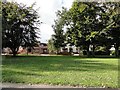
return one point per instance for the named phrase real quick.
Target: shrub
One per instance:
(64, 53)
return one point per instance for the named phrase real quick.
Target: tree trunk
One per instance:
(14, 51)
(27, 50)
(88, 52)
(57, 51)
(116, 50)
(79, 50)
(93, 52)
(14, 54)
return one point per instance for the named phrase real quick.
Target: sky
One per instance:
(47, 9)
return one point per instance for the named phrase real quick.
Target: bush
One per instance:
(97, 53)
(113, 52)
(64, 53)
(84, 52)
(102, 53)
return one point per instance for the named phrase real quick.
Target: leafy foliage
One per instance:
(92, 23)
(19, 26)
(51, 46)
(59, 36)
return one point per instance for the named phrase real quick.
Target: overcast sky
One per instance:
(47, 14)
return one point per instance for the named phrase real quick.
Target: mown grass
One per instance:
(61, 70)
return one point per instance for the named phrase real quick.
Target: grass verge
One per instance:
(61, 70)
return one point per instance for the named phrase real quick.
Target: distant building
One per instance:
(70, 49)
(40, 48)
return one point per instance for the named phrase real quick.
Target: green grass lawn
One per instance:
(61, 70)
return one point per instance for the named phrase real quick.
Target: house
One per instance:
(40, 48)
(6, 51)
(70, 49)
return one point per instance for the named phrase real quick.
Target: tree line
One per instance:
(88, 24)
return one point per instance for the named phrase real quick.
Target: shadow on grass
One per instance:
(81, 56)
(48, 69)
(58, 63)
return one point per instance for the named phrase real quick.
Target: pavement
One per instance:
(21, 86)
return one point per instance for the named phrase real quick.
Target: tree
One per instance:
(111, 19)
(59, 36)
(92, 24)
(114, 28)
(51, 46)
(83, 22)
(89, 24)
(19, 26)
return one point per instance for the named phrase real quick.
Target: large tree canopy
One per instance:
(92, 23)
(19, 26)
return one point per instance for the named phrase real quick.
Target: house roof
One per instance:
(44, 44)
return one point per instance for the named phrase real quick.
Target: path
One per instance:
(7, 86)
(20, 85)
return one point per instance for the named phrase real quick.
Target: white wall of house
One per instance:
(74, 48)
